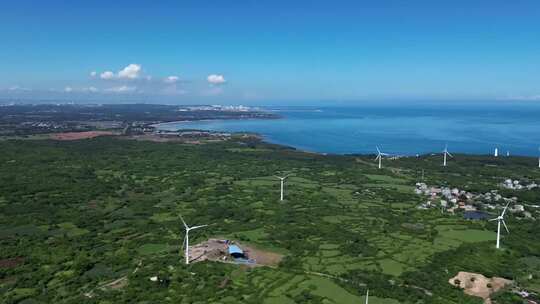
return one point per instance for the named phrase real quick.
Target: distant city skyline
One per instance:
(255, 52)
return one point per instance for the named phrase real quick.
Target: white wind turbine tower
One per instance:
(282, 180)
(500, 219)
(379, 156)
(446, 153)
(186, 238)
(367, 296)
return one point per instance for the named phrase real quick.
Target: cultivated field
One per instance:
(100, 217)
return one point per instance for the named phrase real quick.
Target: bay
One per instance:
(397, 128)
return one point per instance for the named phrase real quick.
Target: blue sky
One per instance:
(270, 51)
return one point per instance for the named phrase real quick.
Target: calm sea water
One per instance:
(403, 129)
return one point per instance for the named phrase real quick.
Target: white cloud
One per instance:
(132, 71)
(93, 74)
(69, 89)
(215, 79)
(121, 89)
(171, 79)
(107, 75)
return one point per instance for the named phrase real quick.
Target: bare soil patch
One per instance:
(80, 135)
(263, 257)
(478, 285)
(217, 250)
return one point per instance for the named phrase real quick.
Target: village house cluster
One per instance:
(239, 108)
(454, 199)
(517, 185)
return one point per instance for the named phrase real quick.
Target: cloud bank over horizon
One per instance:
(132, 80)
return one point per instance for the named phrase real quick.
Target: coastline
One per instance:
(397, 131)
(210, 119)
(269, 140)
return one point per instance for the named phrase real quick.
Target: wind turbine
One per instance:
(446, 153)
(186, 238)
(379, 156)
(367, 296)
(500, 219)
(282, 180)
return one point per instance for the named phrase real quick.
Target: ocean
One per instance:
(396, 128)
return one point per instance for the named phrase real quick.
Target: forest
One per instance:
(93, 220)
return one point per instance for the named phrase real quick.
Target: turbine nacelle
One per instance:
(379, 153)
(282, 177)
(445, 151)
(195, 227)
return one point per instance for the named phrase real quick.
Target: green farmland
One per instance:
(91, 221)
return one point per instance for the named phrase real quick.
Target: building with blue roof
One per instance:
(236, 251)
(475, 215)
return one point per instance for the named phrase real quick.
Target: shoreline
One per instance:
(218, 119)
(267, 140)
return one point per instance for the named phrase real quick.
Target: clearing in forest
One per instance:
(478, 285)
(218, 250)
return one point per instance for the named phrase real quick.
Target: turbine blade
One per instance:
(378, 151)
(505, 227)
(185, 225)
(504, 210)
(195, 227)
(449, 154)
(491, 220)
(377, 158)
